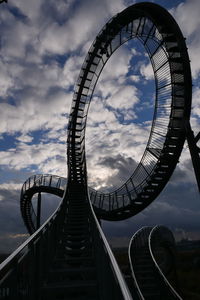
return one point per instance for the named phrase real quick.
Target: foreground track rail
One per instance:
(151, 260)
(67, 258)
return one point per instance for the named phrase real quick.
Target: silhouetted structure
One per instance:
(151, 256)
(68, 257)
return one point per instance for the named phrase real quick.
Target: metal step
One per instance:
(69, 261)
(84, 236)
(71, 273)
(74, 288)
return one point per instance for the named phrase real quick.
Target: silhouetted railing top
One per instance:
(158, 235)
(142, 247)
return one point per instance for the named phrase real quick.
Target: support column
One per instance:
(194, 152)
(38, 210)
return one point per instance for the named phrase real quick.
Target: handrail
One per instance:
(124, 289)
(53, 184)
(146, 236)
(29, 240)
(168, 285)
(130, 261)
(35, 182)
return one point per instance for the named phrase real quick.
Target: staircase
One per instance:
(145, 274)
(149, 279)
(72, 274)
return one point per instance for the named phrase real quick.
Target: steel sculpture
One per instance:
(155, 28)
(68, 255)
(149, 272)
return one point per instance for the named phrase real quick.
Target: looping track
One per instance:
(158, 32)
(160, 35)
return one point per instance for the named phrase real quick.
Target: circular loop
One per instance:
(155, 28)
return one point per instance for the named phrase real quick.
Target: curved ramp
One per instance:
(41, 183)
(68, 257)
(36, 184)
(151, 260)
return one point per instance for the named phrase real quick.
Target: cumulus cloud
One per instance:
(135, 78)
(129, 95)
(10, 186)
(6, 80)
(45, 157)
(32, 113)
(125, 142)
(187, 16)
(147, 71)
(25, 138)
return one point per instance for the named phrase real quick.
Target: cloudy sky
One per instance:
(42, 47)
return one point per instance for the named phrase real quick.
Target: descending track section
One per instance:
(51, 184)
(67, 258)
(37, 184)
(160, 35)
(151, 256)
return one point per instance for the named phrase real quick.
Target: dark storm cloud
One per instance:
(12, 229)
(177, 207)
(10, 220)
(124, 167)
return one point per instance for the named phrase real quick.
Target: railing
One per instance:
(151, 239)
(38, 183)
(158, 235)
(111, 282)
(22, 273)
(47, 180)
(48, 183)
(138, 241)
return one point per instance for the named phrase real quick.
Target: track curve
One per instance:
(40, 183)
(151, 260)
(51, 184)
(159, 33)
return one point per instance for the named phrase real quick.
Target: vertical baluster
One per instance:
(38, 210)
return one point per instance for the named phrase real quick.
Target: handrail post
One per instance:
(38, 210)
